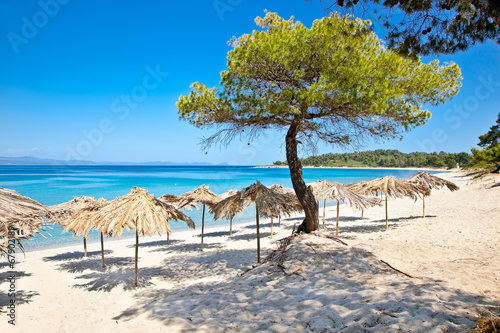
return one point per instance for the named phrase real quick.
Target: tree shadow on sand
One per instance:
(75, 255)
(21, 296)
(173, 270)
(158, 243)
(216, 234)
(190, 247)
(95, 264)
(249, 237)
(107, 281)
(358, 292)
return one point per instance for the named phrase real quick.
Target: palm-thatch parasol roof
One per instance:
(317, 187)
(139, 211)
(341, 192)
(431, 182)
(203, 195)
(178, 202)
(20, 218)
(15, 207)
(279, 188)
(62, 214)
(392, 187)
(267, 203)
(223, 196)
(290, 192)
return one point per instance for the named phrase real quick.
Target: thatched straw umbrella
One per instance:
(357, 187)
(431, 182)
(139, 211)
(337, 191)
(79, 221)
(317, 187)
(267, 203)
(286, 191)
(20, 218)
(63, 212)
(204, 196)
(223, 196)
(394, 188)
(178, 203)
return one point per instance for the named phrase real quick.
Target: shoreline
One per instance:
(360, 168)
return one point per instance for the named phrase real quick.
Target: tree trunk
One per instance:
(304, 193)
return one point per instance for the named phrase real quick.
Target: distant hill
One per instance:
(388, 158)
(27, 160)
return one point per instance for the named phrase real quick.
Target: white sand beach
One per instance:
(450, 260)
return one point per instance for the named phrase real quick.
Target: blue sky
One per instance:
(98, 80)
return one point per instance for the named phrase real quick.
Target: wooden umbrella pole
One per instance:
(202, 226)
(102, 250)
(423, 201)
(168, 238)
(258, 232)
(231, 227)
(338, 211)
(136, 253)
(324, 212)
(279, 219)
(271, 227)
(386, 214)
(362, 213)
(84, 246)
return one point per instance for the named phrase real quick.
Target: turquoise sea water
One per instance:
(52, 185)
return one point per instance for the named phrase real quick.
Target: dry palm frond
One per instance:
(227, 194)
(269, 202)
(341, 192)
(431, 182)
(318, 186)
(392, 187)
(233, 212)
(62, 212)
(178, 202)
(20, 218)
(202, 194)
(15, 207)
(281, 189)
(138, 210)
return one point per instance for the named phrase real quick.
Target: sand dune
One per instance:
(321, 285)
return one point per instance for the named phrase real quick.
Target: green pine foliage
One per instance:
(488, 158)
(388, 158)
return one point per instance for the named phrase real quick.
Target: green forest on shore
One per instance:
(387, 158)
